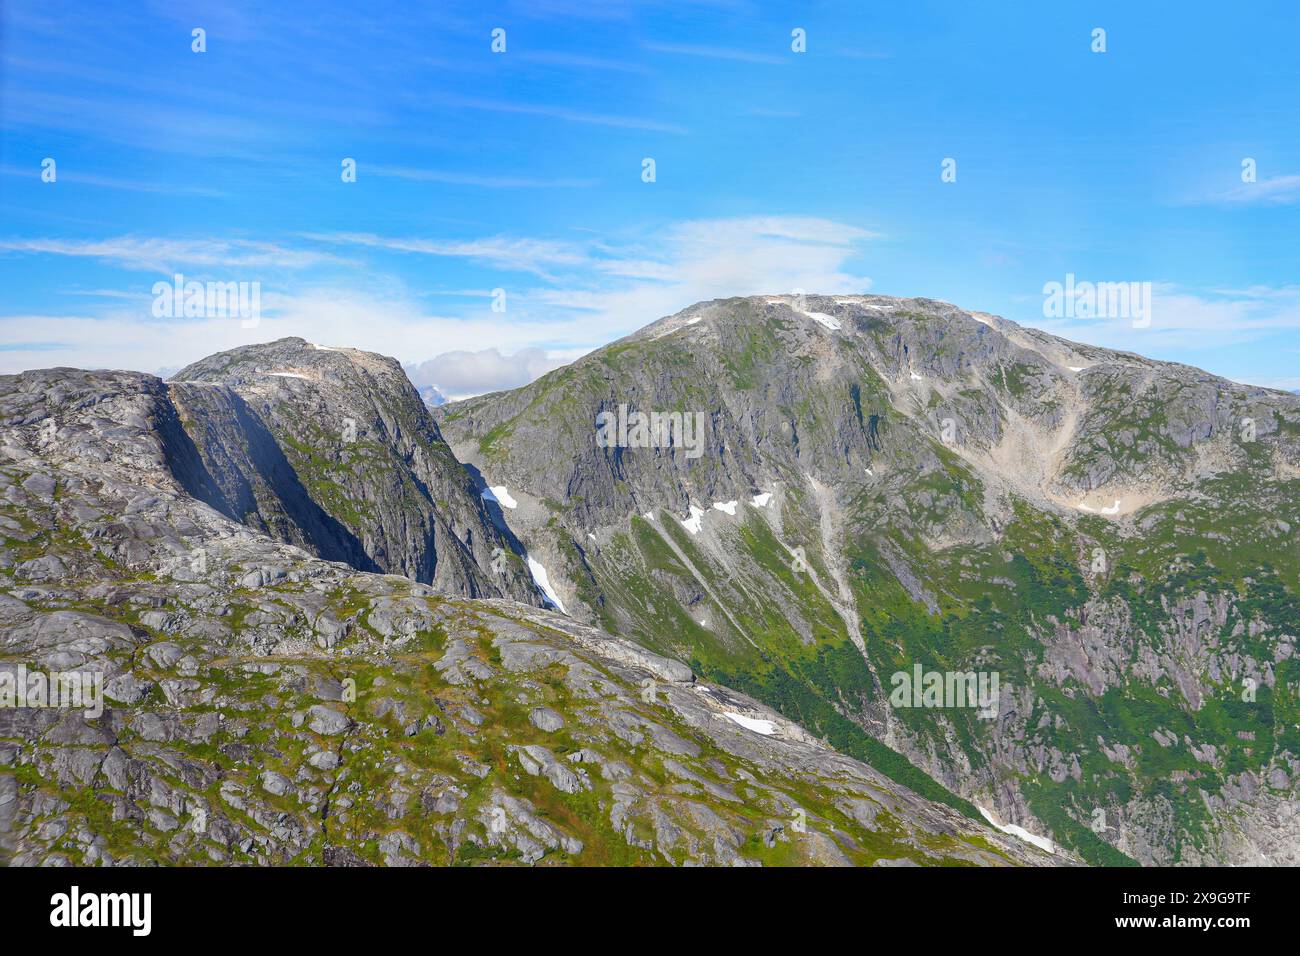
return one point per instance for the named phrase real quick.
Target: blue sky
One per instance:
(522, 171)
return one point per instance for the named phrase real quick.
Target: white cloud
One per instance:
(169, 255)
(1280, 190)
(752, 256)
(717, 53)
(563, 113)
(474, 179)
(523, 255)
(589, 292)
(110, 182)
(1181, 319)
(464, 373)
(572, 61)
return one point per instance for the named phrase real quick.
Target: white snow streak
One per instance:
(695, 521)
(501, 496)
(764, 727)
(1041, 842)
(544, 582)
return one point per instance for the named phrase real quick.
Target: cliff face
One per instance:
(333, 450)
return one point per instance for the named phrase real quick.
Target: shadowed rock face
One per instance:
(887, 482)
(334, 450)
(262, 705)
(257, 484)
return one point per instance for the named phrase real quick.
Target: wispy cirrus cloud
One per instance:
(564, 113)
(1183, 319)
(717, 53)
(1276, 190)
(520, 255)
(474, 179)
(169, 255)
(578, 62)
(111, 182)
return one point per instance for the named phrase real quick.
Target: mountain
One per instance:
(431, 397)
(198, 547)
(881, 488)
(334, 450)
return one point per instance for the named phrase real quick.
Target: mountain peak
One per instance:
(813, 493)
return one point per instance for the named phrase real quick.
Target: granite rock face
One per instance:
(334, 450)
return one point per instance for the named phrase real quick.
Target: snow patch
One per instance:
(829, 321)
(695, 521)
(288, 375)
(1111, 510)
(1076, 368)
(1041, 842)
(544, 582)
(728, 506)
(324, 348)
(649, 516)
(915, 377)
(501, 496)
(764, 727)
(676, 328)
(869, 472)
(760, 501)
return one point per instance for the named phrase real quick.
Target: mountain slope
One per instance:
(266, 706)
(889, 483)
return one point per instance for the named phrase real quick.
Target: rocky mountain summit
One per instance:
(885, 483)
(334, 450)
(270, 697)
